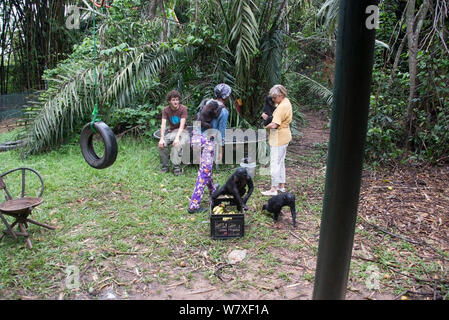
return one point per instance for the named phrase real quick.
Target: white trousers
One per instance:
(277, 164)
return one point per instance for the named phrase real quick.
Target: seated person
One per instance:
(176, 116)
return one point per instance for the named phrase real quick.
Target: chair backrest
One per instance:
(3, 187)
(23, 170)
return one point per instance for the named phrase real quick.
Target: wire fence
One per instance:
(12, 105)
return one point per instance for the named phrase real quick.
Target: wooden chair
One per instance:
(20, 208)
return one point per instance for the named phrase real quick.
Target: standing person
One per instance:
(279, 138)
(176, 116)
(206, 140)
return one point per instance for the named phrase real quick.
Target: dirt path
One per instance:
(9, 125)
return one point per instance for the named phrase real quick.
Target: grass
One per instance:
(104, 216)
(126, 227)
(10, 135)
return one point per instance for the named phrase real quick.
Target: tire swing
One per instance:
(87, 145)
(98, 126)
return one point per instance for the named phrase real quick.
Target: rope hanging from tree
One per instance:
(96, 125)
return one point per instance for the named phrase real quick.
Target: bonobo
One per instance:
(268, 108)
(236, 187)
(209, 112)
(276, 203)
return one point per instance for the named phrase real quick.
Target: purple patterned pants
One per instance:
(205, 177)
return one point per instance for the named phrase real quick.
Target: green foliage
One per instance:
(250, 45)
(384, 124)
(111, 78)
(144, 118)
(232, 42)
(392, 136)
(431, 139)
(387, 136)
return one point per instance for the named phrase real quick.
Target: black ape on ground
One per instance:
(236, 186)
(276, 203)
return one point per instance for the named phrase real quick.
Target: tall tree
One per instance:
(33, 38)
(415, 21)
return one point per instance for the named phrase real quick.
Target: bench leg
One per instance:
(27, 237)
(8, 227)
(40, 224)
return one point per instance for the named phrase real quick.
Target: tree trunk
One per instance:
(197, 10)
(166, 33)
(151, 8)
(3, 46)
(32, 36)
(396, 61)
(414, 25)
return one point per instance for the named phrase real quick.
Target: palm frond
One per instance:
(328, 15)
(245, 35)
(143, 65)
(271, 48)
(382, 44)
(316, 88)
(76, 97)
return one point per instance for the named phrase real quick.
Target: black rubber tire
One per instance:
(110, 145)
(6, 146)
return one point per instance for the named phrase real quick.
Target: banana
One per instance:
(218, 210)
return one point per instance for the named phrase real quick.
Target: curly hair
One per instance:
(173, 94)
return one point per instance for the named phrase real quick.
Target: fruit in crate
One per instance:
(218, 210)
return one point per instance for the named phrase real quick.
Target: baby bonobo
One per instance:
(276, 203)
(268, 108)
(236, 187)
(209, 112)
